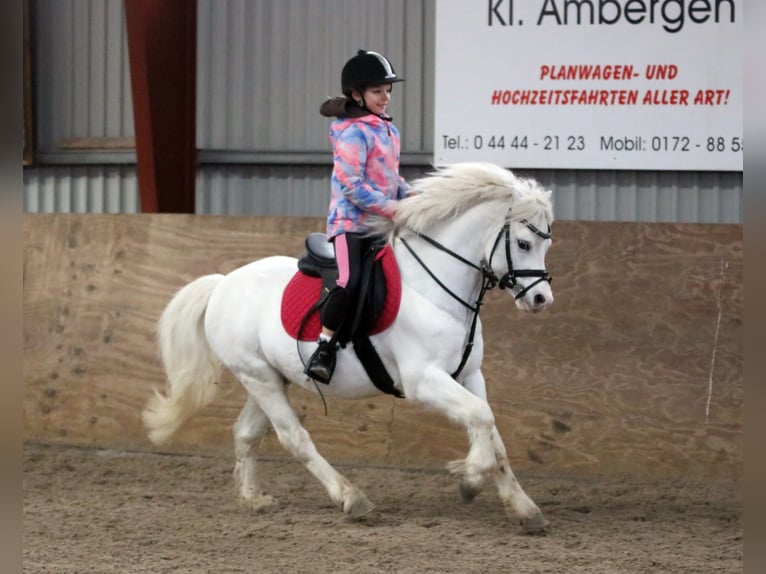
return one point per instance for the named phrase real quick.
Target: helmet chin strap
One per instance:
(361, 103)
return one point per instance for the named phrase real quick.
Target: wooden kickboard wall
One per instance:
(636, 368)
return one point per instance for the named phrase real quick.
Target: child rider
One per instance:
(365, 181)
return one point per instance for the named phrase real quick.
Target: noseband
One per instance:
(489, 277)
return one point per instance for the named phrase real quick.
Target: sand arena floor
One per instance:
(100, 511)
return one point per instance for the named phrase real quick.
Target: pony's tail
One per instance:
(193, 371)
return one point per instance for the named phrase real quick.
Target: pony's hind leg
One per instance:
(269, 391)
(249, 429)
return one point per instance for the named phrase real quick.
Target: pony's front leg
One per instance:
(471, 486)
(268, 388)
(438, 390)
(515, 500)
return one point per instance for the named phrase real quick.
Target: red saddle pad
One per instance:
(303, 291)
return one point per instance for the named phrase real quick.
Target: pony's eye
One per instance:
(523, 245)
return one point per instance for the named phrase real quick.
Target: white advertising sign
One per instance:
(590, 84)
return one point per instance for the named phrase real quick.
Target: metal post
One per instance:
(162, 45)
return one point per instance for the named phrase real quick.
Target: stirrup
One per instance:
(321, 364)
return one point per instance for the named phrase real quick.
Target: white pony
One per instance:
(466, 228)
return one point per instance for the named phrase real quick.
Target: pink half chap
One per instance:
(341, 256)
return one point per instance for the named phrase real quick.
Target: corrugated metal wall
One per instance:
(303, 191)
(652, 196)
(82, 77)
(81, 189)
(264, 66)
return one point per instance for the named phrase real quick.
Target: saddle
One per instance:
(374, 308)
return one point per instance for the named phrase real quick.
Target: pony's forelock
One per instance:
(532, 202)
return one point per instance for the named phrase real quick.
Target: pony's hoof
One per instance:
(357, 506)
(534, 524)
(468, 492)
(261, 504)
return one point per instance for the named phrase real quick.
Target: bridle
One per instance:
(489, 277)
(509, 279)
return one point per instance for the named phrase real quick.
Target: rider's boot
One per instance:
(321, 365)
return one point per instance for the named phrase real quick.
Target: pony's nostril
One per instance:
(539, 300)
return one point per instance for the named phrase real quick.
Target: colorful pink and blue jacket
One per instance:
(365, 178)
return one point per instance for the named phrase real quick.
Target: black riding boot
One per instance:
(321, 365)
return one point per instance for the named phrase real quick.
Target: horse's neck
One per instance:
(465, 236)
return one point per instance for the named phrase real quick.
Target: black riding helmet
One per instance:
(367, 69)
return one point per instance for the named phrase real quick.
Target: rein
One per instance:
(489, 279)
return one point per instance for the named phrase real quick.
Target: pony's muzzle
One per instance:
(535, 297)
(540, 301)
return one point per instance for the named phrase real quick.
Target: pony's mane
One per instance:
(450, 190)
